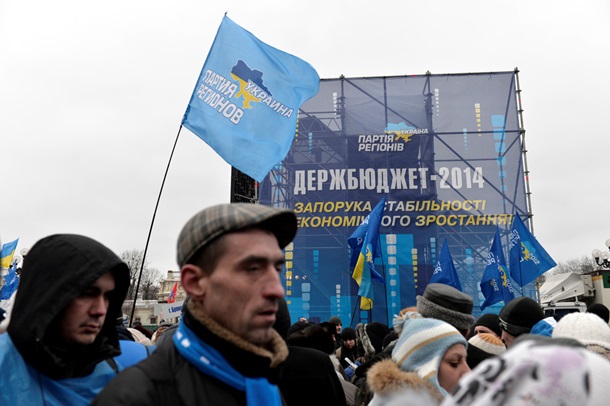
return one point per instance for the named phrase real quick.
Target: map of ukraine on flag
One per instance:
(246, 101)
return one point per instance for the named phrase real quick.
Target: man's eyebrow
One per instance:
(258, 259)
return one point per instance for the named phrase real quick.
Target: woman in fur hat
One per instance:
(427, 362)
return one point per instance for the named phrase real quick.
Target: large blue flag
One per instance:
(528, 260)
(364, 271)
(246, 101)
(11, 282)
(444, 271)
(495, 284)
(7, 252)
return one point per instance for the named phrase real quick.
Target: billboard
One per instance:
(446, 152)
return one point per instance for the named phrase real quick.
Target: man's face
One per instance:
(241, 293)
(483, 329)
(82, 320)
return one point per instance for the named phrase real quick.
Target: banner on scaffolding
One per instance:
(444, 149)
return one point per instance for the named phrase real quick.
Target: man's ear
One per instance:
(194, 281)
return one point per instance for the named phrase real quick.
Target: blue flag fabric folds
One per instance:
(528, 260)
(11, 283)
(444, 271)
(365, 241)
(495, 284)
(7, 252)
(246, 101)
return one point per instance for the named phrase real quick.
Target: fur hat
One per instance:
(587, 328)
(489, 320)
(421, 346)
(215, 221)
(444, 302)
(536, 372)
(519, 316)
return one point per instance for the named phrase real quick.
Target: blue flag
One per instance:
(247, 98)
(444, 271)
(11, 282)
(366, 237)
(495, 284)
(7, 252)
(528, 260)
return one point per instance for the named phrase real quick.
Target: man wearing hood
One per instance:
(61, 340)
(225, 350)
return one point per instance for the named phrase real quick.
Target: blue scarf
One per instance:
(209, 361)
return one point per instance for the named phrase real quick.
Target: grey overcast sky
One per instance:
(92, 94)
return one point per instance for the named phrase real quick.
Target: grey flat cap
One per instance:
(215, 221)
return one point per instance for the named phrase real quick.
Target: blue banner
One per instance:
(444, 271)
(528, 260)
(495, 284)
(246, 101)
(446, 152)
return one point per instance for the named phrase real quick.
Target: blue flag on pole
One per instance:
(528, 260)
(7, 252)
(247, 98)
(444, 271)
(11, 282)
(495, 284)
(366, 237)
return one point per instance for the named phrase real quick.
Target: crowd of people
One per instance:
(236, 344)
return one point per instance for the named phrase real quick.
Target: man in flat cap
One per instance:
(225, 351)
(448, 304)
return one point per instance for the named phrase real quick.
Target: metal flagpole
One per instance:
(135, 295)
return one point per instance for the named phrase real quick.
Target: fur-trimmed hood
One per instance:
(393, 385)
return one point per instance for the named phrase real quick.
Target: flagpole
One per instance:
(135, 295)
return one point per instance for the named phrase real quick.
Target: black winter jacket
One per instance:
(166, 378)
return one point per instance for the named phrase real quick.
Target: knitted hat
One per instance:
(446, 303)
(544, 327)
(601, 310)
(215, 221)
(421, 346)
(533, 372)
(488, 343)
(587, 328)
(490, 321)
(348, 334)
(519, 316)
(482, 346)
(335, 320)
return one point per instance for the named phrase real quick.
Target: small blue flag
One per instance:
(495, 284)
(247, 98)
(7, 252)
(528, 260)
(444, 271)
(11, 282)
(369, 250)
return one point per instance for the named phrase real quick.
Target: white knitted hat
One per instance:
(587, 328)
(536, 372)
(488, 343)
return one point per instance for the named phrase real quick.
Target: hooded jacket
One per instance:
(56, 271)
